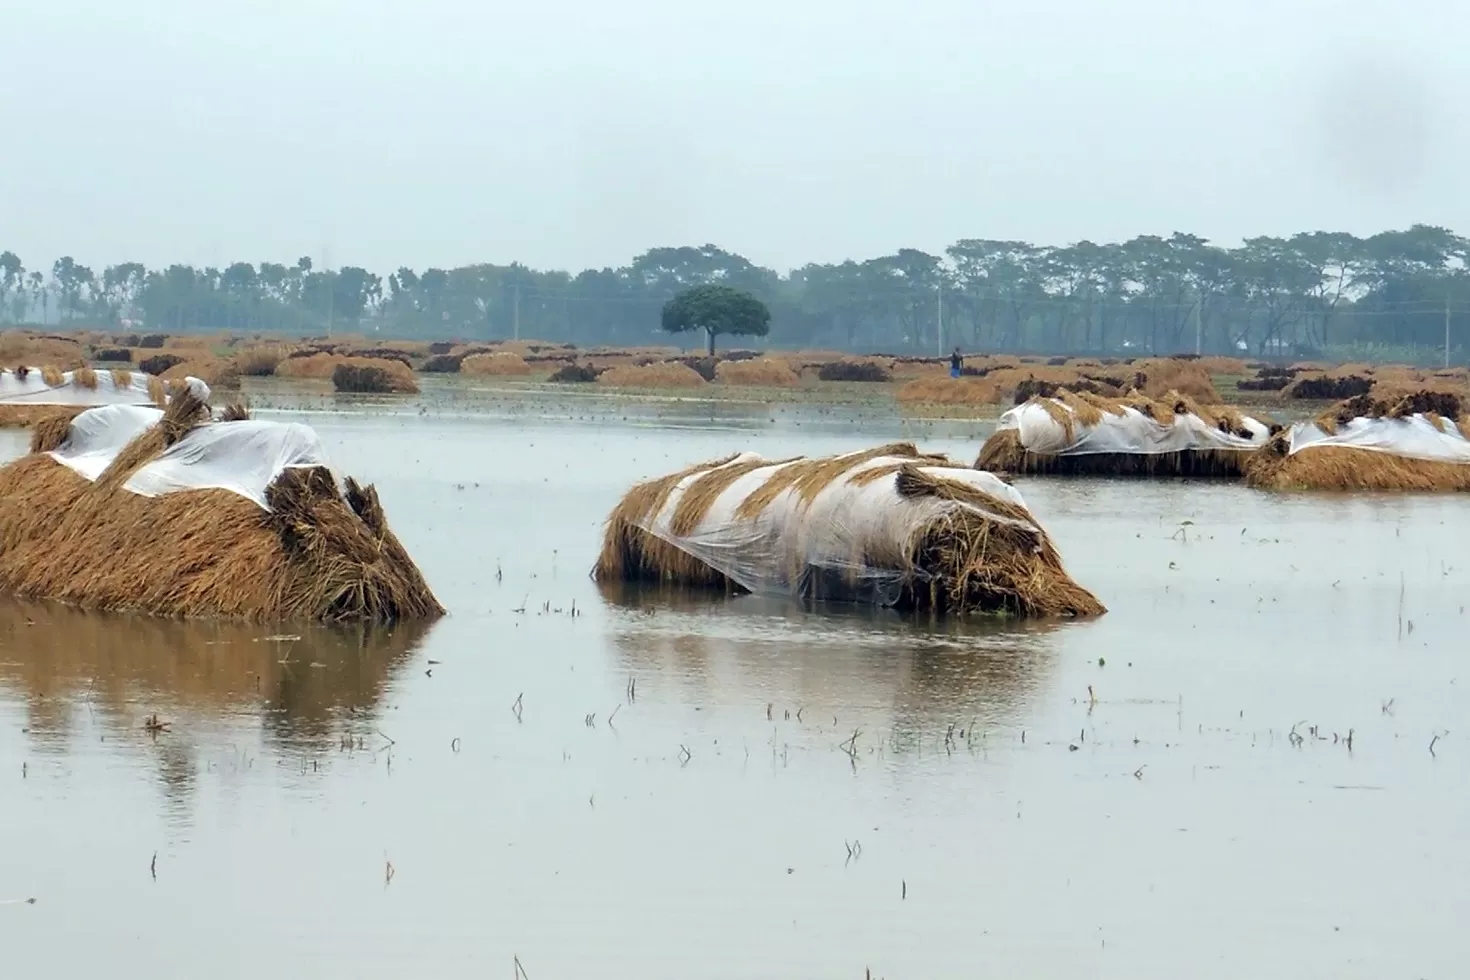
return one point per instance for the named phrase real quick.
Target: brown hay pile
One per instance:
(152, 341)
(575, 374)
(85, 377)
(373, 377)
(1346, 468)
(1003, 453)
(668, 374)
(323, 366)
(259, 362)
(315, 555)
(949, 391)
(52, 376)
(1324, 387)
(501, 364)
(313, 364)
(442, 363)
(959, 561)
(1156, 377)
(113, 355)
(765, 372)
(23, 347)
(121, 377)
(854, 370)
(213, 371)
(159, 363)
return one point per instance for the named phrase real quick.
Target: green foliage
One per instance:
(1296, 296)
(716, 309)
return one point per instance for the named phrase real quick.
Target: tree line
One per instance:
(1393, 295)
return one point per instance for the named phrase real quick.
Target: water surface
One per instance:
(624, 783)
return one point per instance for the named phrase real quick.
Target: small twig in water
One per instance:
(153, 866)
(612, 716)
(387, 872)
(516, 707)
(684, 756)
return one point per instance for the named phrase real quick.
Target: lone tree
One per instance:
(716, 309)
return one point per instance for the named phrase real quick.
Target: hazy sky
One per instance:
(579, 132)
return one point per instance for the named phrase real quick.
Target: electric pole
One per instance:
(1446, 329)
(516, 310)
(939, 319)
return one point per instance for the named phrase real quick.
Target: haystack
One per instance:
(949, 391)
(28, 395)
(889, 526)
(1086, 434)
(499, 364)
(1387, 440)
(668, 374)
(767, 372)
(171, 513)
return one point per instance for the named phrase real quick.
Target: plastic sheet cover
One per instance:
(1414, 437)
(244, 457)
(850, 542)
(1130, 433)
(33, 390)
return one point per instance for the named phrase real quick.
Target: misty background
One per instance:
(572, 134)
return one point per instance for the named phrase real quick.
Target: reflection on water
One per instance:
(121, 669)
(907, 674)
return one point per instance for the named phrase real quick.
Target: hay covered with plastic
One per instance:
(1080, 433)
(174, 513)
(29, 394)
(888, 526)
(1402, 440)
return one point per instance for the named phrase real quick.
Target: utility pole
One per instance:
(1198, 323)
(1446, 329)
(331, 293)
(939, 319)
(516, 310)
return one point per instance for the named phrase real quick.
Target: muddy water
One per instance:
(658, 787)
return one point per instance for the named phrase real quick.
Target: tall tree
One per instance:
(716, 310)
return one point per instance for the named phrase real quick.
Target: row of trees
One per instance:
(1310, 293)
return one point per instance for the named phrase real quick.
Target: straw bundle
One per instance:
(500, 364)
(1156, 377)
(1386, 466)
(314, 554)
(24, 347)
(24, 416)
(667, 374)
(1004, 451)
(213, 371)
(889, 526)
(768, 372)
(949, 391)
(855, 369)
(259, 362)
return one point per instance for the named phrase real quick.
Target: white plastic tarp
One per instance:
(244, 457)
(33, 389)
(1131, 433)
(1414, 437)
(789, 545)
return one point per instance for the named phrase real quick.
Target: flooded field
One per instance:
(1254, 765)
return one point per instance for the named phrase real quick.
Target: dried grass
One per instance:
(157, 392)
(84, 377)
(1157, 377)
(949, 391)
(322, 366)
(213, 371)
(963, 560)
(668, 374)
(500, 364)
(202, 553)
(374, 376)
(1344, 468)
(121, 378)
(259, 362)
(24, 347)
(52, 375)
(1003, 453)
(766, 372)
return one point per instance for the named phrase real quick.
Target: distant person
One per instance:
(956, 362)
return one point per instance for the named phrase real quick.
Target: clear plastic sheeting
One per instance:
(243, 457)
(1132, 433)
(1413, 437)
(853, 540)
(33, 389)
(99, 434)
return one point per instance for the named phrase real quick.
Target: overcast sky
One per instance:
(575, 133)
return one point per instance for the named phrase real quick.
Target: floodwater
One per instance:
(1254, 766)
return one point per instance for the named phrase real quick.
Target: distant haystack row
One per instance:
(889, 526)
(169, 512)
(28, 394)
(1082, 433)
(1414, 440)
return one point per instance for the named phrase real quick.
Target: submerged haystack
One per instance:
(1383, 440)
(1080, 433)
(889, 526)
(29, 394)
(172, 513)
